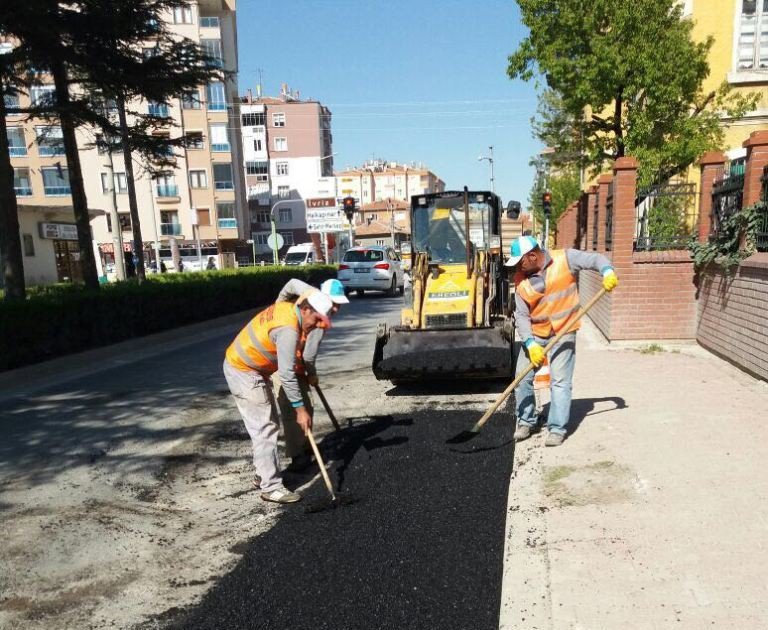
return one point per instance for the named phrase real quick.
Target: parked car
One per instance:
(373, 268)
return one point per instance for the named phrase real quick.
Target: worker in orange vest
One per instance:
(273, 341)
(546, 299)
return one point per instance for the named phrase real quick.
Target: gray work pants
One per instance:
(296, 441)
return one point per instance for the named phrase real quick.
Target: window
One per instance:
(5, 48)
(11, 102)
(212, 48)
(50, 141)
(226, 214)
(125, 221)
(158, 109)
(284, 192)
(165, 149)
(217, 98)
(262, 238)
(219, 138)
(753, 35)
(254, 119)
(166, 185)
(258, 145)
(22, 185)
(281, 168)
(55, 181)
(259, 168)
(195, 140)
(379, 241)
(278, 119)
(222, 177)
(182, 15)
(198, 179)
(17, 147)
(120, 182)
(190, 100)
(281, 144)
(209, 22)
(287, 238)
(29, 244)
(286, 215)
(150, 52)
(42, 94)
(203, 216)
(262, 216)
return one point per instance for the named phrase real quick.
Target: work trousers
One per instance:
(296, 441)
(562, 359)
(256, 403)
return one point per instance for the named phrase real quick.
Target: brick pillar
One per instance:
(757, 158)
(711, 165)
(624, 215)
(604, 182)
(591, 202)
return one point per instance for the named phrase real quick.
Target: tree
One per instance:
(629, 76)
(564, 185)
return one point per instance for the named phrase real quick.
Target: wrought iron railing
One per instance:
(609, 218)
(761, 238)
(666, 217)
(170, 229)
(595, 215)
(727, 199)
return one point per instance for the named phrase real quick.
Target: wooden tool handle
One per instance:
(327, 407)
(505, 394)
(320, 462)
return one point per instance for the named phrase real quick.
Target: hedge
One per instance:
(62, 319)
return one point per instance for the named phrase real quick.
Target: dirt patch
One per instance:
(596, 483)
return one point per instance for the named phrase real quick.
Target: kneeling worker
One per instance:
(296, 443)
(546, 297)
(273, 341)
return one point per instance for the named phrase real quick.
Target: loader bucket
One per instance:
(402, 354)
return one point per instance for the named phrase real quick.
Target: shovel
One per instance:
(465, 436)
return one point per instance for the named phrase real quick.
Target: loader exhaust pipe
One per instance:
(466, 233)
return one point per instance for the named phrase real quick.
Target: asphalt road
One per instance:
(421, 547)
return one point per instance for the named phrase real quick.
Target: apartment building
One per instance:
(288, 151)
(202, 197)
(379, 180)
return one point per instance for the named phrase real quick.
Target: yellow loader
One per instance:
(457, 321)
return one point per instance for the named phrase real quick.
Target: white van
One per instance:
(302, 254)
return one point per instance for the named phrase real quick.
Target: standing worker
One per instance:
(546, 296)
(296, 443)
(273, 341)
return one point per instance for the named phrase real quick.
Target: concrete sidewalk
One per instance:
(654, 513)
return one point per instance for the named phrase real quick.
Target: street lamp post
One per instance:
(490, 160)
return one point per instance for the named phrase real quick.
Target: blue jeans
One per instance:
(562, 359)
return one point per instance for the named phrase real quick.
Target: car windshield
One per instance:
(364, 255)
(295, 258)
(439, 228)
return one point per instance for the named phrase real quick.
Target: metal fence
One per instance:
(665, 216)
(595, 215)
(727, 198)
(609, 218)
(762, 230)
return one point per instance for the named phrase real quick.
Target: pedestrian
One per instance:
(272, 342)
(211, 264)
(296, 444)
(546, 296)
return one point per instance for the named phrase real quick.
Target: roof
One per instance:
(92, 212)
(384, 204)
(376, 228)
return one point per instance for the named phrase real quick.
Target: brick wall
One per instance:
(732, 315)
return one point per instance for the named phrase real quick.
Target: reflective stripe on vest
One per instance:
(551, 310)
(253, 349)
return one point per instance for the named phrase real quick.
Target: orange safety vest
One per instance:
(253, 349)
(551, 310)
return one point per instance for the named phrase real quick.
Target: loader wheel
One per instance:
(393, 287)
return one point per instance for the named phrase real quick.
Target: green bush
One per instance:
(61, 319)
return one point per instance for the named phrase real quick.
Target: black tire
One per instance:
(393, 287)
(360, 292)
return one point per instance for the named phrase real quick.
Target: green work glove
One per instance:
(610, 281)
(535, 352)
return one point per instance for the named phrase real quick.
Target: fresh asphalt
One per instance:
(421, 546)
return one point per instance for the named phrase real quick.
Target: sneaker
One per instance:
(523, 432)
(554, 439)
(281, 495)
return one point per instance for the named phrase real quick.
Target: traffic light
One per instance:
(348, 205)
(546, 202)
(513, 210)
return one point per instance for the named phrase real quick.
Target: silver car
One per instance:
(373, 268)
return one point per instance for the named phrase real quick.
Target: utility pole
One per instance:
(114, 217)
(154, 224)
(391, 208)
(192, 208)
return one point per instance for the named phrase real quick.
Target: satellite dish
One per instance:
(275, 241)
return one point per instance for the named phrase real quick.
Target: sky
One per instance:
(406, 81)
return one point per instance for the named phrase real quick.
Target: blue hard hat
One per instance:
(519, 248)
(335, 290)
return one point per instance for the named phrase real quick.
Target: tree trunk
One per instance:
(138, 243)
(10, 240)
(618, 130)
(79, 199)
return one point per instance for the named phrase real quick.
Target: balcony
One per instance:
(57, 191)
(17, 151)
(221, 148)
(167, 191)
(22, 191)
(170, 229)
(158, 109)
(228, 224)
(47, 150)
(209, 21)
(224, 185)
